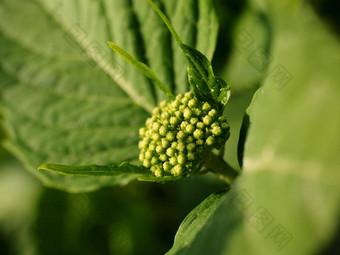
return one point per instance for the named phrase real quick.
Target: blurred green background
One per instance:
(140, 218)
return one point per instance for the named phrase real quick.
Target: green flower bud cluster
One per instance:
(179, 134)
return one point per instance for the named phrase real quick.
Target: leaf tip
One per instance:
(49, 167)
(43, 167)
(111, 44)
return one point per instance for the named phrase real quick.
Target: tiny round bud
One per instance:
(152, 147)
(142, 131)
(199, 142)
(158, 173)
(156, 126)
(175, 104)
(165, 122)
(193, 121)
(170, 136)
(187, 113)
(165, 143)
(167, 166)
(163, 157)
(193, 103)
(181, 135)
(163, 130)
(165, 115)
(198, 134)
(190, 139)
(200, 125)
(141, 144)
(207, 120)
(148, 134)
(170, 152)
(190, 128)
(146, 163)
(197, 112)
(173, 161)
(156, 111)
(177, 170)
(159, 149)
(174, 120)
(212, 113)
(146, 140)
(154, 160)
(184, 124)
(179, 97)
(216, 131)
(181, 159)
(178, 114)
(181, 146)
(148, 155)
(215, 124)
(185, 100)
(206, 107)
(163, 104)
(191, 146)
(210, 140)
(174, 145)
(148, 121)
(155, 136)
(189, 94)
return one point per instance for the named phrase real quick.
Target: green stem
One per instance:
(218, 166)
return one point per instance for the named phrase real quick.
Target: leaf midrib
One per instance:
(307, 169)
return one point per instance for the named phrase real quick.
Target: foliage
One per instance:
(66, 98)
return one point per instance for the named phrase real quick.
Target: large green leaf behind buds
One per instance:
(180, 134)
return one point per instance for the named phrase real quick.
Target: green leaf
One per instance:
(142, 68)
(287, 200)
(197, 29)
(95, 170)
(136, 172)
(66, 98)
(205, 85)
(195, 221)
(167, 23)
